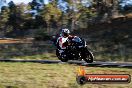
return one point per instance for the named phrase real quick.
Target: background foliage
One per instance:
(17, 19)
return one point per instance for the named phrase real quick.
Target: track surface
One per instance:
(94, 64)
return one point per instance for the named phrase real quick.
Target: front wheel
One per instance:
(88, 56)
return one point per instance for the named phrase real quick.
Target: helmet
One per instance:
(65, 32)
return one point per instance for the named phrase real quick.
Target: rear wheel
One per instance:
(88, 57)
(61, 57)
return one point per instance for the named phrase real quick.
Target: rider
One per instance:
(64, 36)
(63, 40)
(74, 43)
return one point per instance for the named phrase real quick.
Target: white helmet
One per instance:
(65, 31)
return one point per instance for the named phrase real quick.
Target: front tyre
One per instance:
(88, 57)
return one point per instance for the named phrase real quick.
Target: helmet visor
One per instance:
(66, 34)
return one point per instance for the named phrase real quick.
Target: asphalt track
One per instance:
(82, 63)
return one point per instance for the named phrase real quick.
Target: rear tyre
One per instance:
(62, 57)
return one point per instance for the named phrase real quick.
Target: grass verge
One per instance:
(36, 75)
(45, 56)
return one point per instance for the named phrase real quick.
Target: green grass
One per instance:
(36, 75)
(45, 56)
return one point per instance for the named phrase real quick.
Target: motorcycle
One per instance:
(76, 49)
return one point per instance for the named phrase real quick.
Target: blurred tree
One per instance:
(16, 18)
(40, 23)
(106, 9)
(78, 11)
(57, 14)
(4, 15)
(34, 5)
(51, 14)
(12, 6)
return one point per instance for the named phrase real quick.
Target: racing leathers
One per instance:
(62, 43)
